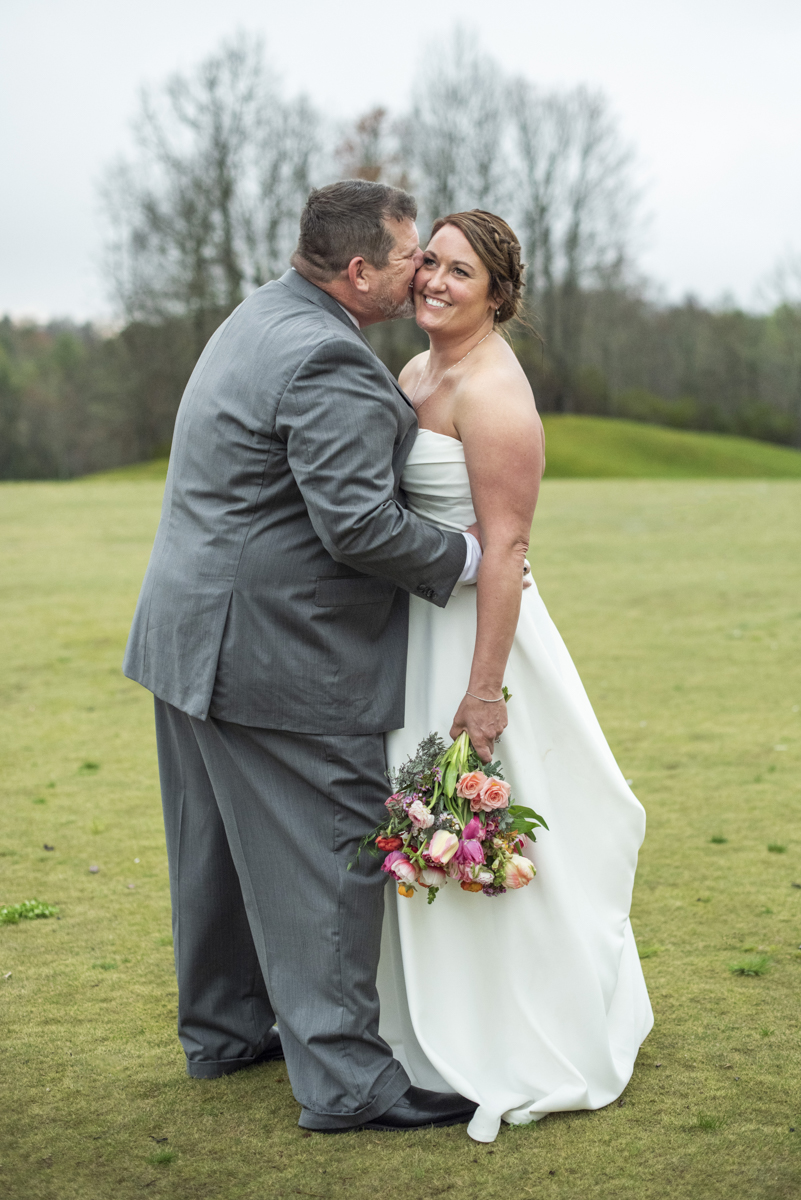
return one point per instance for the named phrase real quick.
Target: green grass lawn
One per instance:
(681, 603)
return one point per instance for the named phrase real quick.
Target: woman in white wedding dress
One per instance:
(530, 1002)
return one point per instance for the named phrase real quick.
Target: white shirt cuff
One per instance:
(472, 562)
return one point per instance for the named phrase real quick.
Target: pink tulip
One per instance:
(432, 877)
(405, 871)
(442, 847)
(519, 871)
(470, 784)
(398, 864)
(467, 872)
(391, 858)
(457, 870)
(474, 829)
(469, 852)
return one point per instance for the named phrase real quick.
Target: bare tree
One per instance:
(576, 204)
(203, 215)
(455, 139)
(284, 166)
(783, 284)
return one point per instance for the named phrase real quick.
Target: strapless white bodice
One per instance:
(436, 483)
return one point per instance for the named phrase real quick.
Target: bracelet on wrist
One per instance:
(484, 698)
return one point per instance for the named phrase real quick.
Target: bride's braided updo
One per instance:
(499, 250)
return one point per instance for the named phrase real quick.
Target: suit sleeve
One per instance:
(338, 418)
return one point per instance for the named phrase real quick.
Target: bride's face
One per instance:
(451, 288)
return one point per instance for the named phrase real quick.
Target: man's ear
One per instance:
(356, 274)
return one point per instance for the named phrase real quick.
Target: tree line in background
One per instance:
(207, 211)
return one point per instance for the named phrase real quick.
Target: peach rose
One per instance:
(470, 784)
(494, 794)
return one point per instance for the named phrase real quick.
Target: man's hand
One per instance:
(484, 724)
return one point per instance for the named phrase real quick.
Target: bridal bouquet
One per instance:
(452, 817)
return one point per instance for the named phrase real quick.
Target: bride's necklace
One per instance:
(444, 373)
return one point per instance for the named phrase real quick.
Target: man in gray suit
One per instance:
(271, 628)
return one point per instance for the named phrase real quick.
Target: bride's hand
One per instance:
(484, 724)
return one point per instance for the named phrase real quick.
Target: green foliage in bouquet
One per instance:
(416, 774)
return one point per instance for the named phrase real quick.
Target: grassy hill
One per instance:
(599, 448)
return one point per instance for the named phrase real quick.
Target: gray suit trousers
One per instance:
(268, 922)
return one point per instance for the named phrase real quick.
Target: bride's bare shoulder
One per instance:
(497, 421)
(497, 391)
(411, 372)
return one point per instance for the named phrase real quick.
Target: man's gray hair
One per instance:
(345, 220)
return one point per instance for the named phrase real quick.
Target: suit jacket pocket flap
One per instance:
(332, 592)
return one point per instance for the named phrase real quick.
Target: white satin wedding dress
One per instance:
(534, 1001)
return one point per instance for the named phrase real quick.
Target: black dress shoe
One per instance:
(272, 1052)
(420, 1109)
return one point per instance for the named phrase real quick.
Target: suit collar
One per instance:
(297, 283)
(302, 287)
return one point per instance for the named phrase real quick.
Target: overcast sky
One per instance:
(708, 91)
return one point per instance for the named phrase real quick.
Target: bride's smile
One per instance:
(452, 288)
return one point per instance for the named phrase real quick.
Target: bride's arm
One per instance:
(500, 429)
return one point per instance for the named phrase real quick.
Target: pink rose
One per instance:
(494, 794)
(442, 847)
(470, 784)
(420, 816)
(400, 866)
(432, 877)
(519, 871)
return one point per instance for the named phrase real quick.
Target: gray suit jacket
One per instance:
(277, 590)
